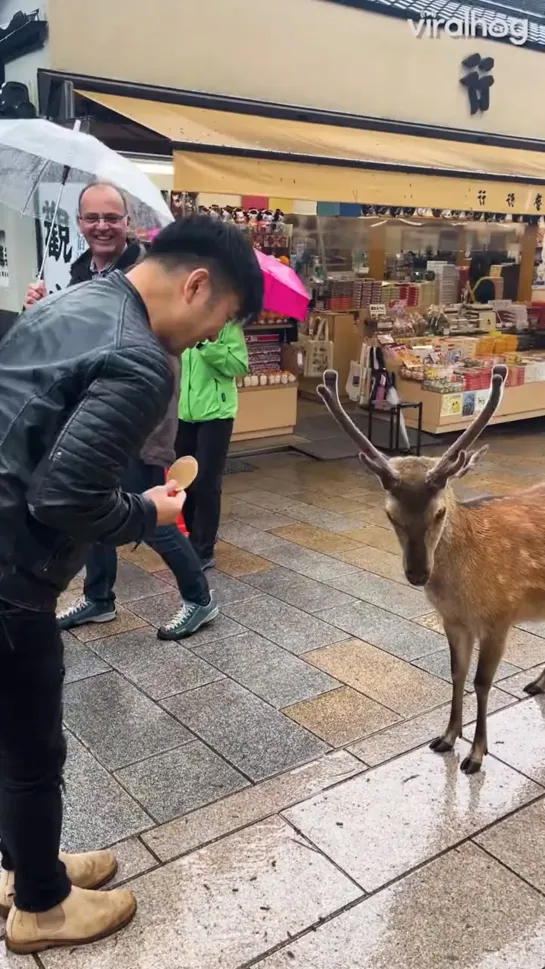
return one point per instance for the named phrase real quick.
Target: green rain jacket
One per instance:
(208, 388)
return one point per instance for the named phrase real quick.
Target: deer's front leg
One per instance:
(537, 686)
(491, 648)
(460, 642)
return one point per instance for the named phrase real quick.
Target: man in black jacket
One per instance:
(85, 375)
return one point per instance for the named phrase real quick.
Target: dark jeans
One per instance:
(173, 547)
(208, 442)
(32, 755)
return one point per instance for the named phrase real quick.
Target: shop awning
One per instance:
(227, 152)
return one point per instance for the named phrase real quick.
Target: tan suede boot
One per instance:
(90, 870)
(83, 917)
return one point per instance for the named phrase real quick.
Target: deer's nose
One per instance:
(417, 577)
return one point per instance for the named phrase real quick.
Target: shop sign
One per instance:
(4, 265)
(65, 242)
(478, 80)
(376, 310)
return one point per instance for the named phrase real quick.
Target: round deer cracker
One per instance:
(184, 471)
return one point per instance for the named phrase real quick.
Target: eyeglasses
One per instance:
(110, 218)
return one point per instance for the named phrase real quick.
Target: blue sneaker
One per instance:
(188, 620)
(84, 611)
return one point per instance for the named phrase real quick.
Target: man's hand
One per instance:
(168, 500)
(34, 293)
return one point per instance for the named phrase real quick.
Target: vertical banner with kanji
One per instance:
(4, 264)
(66, 243)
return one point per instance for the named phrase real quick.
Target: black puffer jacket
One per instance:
(83, 381)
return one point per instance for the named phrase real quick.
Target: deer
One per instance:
(480, 562)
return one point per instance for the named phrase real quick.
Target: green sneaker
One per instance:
(189, 619)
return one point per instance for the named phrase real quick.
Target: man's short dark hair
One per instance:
(220, 247)
(102, 185)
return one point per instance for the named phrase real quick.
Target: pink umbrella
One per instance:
(284, 292)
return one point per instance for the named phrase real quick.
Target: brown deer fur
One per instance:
(482, 563)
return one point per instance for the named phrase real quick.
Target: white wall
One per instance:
(303, 52)
(21, 248)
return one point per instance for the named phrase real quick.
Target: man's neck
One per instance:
(101, 262)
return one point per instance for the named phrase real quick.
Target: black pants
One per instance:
(174, 548)
(32, 755)
(208, 442)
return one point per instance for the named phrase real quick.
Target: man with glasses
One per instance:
(103, 220)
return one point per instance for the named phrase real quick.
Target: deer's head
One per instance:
(416, 495)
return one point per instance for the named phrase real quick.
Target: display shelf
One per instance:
(265, 412)
(517, 404)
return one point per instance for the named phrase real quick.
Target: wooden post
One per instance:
(377, 251)
(527, 260)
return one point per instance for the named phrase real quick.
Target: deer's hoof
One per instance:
(441, 746)
(470, 766)
(533, 689)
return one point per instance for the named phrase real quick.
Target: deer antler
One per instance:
(454, 461)
(375, 461)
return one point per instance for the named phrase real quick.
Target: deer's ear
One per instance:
(472, 458)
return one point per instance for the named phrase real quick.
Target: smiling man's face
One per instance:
(103, 221)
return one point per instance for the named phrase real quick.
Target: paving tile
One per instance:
(519, 843)
(309, 515)
(227, 903)
(267, 670)
(246, 537)
(143, 556)
(383, 823)
(399, 927)
(420, 730)
(159, 668)
(315, 538)
(432, 620)
(514, 685)
(97, 630)
(376, 536)
(439, 665)
(341, 716)
(396, 598)
(386, 679)
(133, 859)
(536, 628)
(524, 649)
(298, 590)
(284, 625)
(117, 722)
(10, 961)
(306, 562)
(250, 805)
(135, 583)
(228, 589)
(376, 560)
(380, 628)
(349, 507)
(258, 517)
(249, 733)
(517, 737)
(261, 498)
(97, 811)
(79, 661)
(236, 562)
(180, 781)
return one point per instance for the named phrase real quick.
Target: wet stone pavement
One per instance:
(267, 783)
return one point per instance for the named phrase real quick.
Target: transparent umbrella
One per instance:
(35, 151)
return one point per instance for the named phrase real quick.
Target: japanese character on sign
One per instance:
(58, 233)
(511, 200)
(478, 81)
(482, 197)
(539, 202)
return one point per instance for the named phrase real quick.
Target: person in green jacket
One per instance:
(208, 405)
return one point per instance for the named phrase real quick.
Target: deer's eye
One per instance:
(440, 514)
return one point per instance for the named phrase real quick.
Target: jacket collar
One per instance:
(80, 270)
